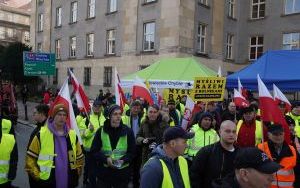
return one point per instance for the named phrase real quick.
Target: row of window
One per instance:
(258, 8)
(12, 33)
(290, 41)
(148, 42)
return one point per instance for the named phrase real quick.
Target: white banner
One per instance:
(160, 84)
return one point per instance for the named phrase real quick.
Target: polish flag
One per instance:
(269, 110)
(119, 94)
(241, 89)
(81, 98)
(280, 97)
(189, 107)
(239, 99)
(139, 89)
(63, 97)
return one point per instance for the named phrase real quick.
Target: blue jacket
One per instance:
(152, 173)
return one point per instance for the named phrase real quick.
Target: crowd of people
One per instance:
(145, 146)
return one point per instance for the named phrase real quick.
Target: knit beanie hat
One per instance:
(111, 109)
(57, 108)
(206, 114)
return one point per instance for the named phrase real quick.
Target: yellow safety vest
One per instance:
(6, 146)
(86, 134)
(202, 138)
(6, 126)
(118, 152)
(184, 171)
(297, 126)
(258, 131)
(46, 155)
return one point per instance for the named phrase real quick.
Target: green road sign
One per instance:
(38, 64)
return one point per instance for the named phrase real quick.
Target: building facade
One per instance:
(94, 36)
(14, 25)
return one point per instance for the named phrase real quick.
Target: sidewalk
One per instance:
(21, 112)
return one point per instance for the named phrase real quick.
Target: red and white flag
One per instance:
(81, 98)
(219, 72)
(189, 107)
(280, 97)
(119, 94)
(241, 89)
(239, 99)
(140, 89)
(269, 109)
(63, 97)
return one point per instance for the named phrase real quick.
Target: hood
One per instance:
(159, 153)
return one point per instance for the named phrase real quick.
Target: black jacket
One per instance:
(108, 174)
(35, 131)
(228, 182)
(211, 162)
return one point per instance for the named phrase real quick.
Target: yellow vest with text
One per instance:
(184, 171)
(118, 152)
(297, 120)
(6, 126)
(6, 146)
(46, 156)
(258, 131)
(202, 138)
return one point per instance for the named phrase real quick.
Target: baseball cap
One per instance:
(275, 128)
(255, 158)
(172, 133)
(97, 103)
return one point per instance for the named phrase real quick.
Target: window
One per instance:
(90, 44)
(258, 9)
(204, 2)
(40, 22)
(26, 36)
(57, 49)
(91, 8)
(72, 46)
(201, 38)
(231, 9)
(87, 76)
(9, 32)
(256, 47)
(112, 6)
(229, 47)
(111, 41)
(55, 77)
(141, 67)
(58, 17)
(149, 36)
(149, 1)
(292, 6)
(39, 47)
(2, 32)
(74, 12)
(107, 76)
(291, 41)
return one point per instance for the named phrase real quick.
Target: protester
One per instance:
(113, 148)
(231, 113)
(165, 113)
(204, 135)
(284, 154)
(8, 159)
(212, 109)
(151, 132)
(54, 157)
(174, 113)
(6, 125)
(166, 167)
(249, 130)
(295, 115)
(215, 161)
(24, 93)
(253, 169)
(47, 96)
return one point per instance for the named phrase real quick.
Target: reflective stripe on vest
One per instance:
(258, 131)
(46, 155)
(118, 152)
(282, 184)
(297, 126)
(202, 138)
(6, 126)
(184, 171)
(286, 174)
(6, 146)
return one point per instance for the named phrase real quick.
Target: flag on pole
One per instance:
(153, 95)
(119, 93)
(139, 89)
(241, 89)
(219, 72)
(63, 97)
(239, 99)
(269, 110)
(81, 98)
(189, 107)
(280, 97)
